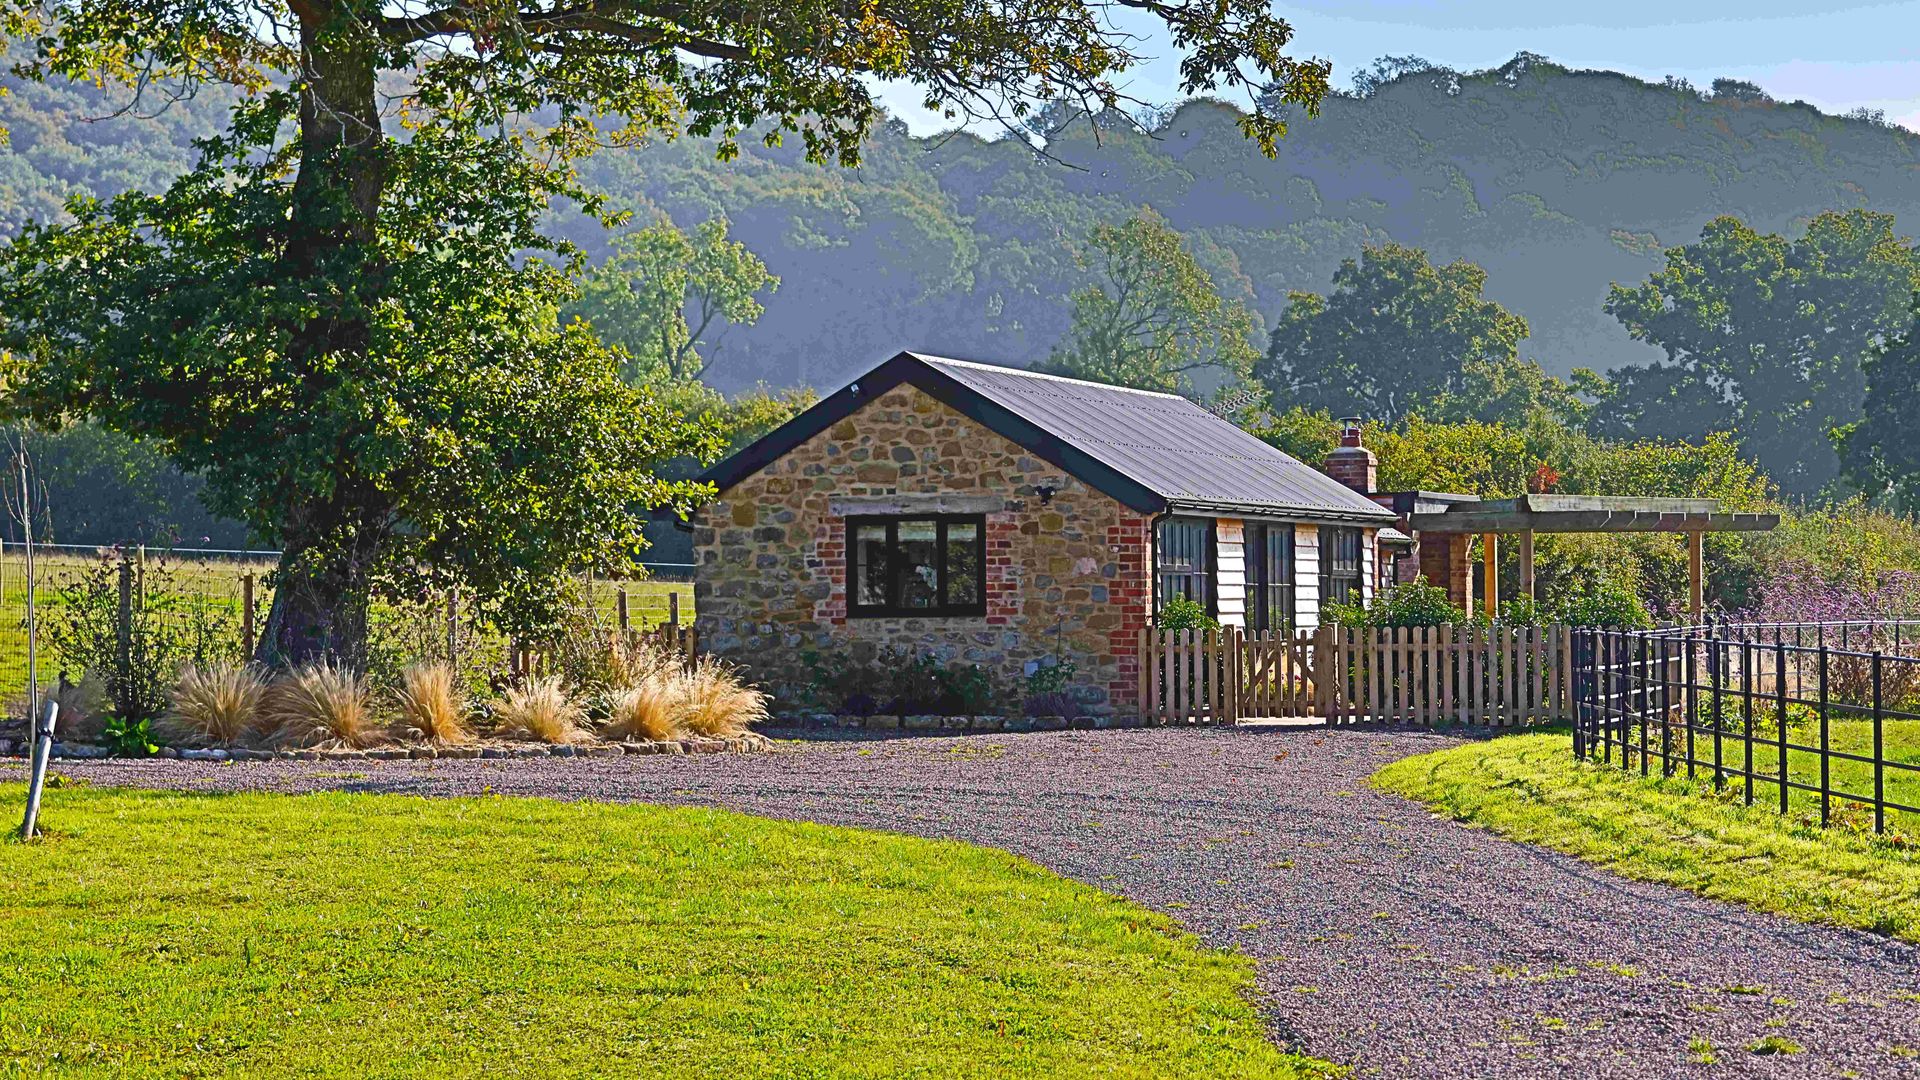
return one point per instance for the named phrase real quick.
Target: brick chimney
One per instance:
(1351, 463)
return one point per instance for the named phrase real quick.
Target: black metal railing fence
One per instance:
(1823, 717)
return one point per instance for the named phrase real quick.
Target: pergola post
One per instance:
(1490, 573)
(1696, 575)
(1526, 563)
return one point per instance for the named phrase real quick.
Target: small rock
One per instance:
(342, 755)
(920, 723)
(637, 747)
(6, 747)
(1050, 723)
(495, 752)
(306, 755)
(171, 753)
(988, 723)
(388, 753)
(1018, 723)
(668, 747)
(882, 723)
(460, 752)
(603, 751)
(203, 755)
(530, 751)
(561, 750)
(422, 753)
(956, 723)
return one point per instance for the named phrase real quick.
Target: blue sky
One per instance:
(1839, 55)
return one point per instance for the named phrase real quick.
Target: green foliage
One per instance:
(100, 487)
(1051, 678)
(1180, 613)
(467, 440)
(504, 919)
(1606, 603)
(1152, 318)
(1878, 450)
(130, 738)
(137, 652)
(639, 299)
(1522, 611)
(1407, 603)
(1397, 335)
(1766, 336)
(895, 681)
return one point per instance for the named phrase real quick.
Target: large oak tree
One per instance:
(336, 316)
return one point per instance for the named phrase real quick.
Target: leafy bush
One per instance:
(1607, 604)
(213, 706)
(1047, 690)
(432, 702)
(896, 682)
(1523, 611)
(542, 710)
(130, 738)
(321, 705)
(1181, 613)
(165, 629)
(1409, 603)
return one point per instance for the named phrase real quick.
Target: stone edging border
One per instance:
(752, 743)
(1008, 724)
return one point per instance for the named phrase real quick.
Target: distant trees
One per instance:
(666, 297)
(1396, 335)
(1881, 451)
(1152, 317)
(1764, 336)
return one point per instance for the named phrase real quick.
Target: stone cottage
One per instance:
(1008, 518)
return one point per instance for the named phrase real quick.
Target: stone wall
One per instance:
(1069, 575)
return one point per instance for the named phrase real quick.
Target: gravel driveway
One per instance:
(1387, 938)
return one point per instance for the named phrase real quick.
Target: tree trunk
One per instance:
(331, 542)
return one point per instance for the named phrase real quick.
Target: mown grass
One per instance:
(161, 934)
(1529, 788)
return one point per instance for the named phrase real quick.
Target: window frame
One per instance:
(892, 607)
(1261, 586)
(1356, 576)
(1205, 570)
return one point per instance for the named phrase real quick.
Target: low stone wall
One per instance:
(748, 744)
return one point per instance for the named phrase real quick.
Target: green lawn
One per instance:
(1529, 788)
(358, 935)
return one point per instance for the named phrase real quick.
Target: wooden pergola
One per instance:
(1531, 514)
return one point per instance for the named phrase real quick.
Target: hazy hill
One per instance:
(1558, 182)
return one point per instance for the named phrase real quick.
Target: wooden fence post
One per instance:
(453, 627)
(620, 608)
(246, 614)
(123, 630)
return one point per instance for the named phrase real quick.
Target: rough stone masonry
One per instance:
(1066, 576)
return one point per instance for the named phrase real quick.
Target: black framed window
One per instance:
(1183, 554)
(1339, 565)
(1269, 576)
(932, 565)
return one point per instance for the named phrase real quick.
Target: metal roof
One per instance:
(1152, 452)
(1168, 444)
(1591, 514)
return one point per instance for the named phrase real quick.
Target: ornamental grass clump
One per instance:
(645, 710)
(321, 706)
(542, 711)
(85, 707)
(431, 701)
(217, 705)
(715, 702)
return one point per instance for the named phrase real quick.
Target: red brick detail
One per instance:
(829, 560)
(1130, 596)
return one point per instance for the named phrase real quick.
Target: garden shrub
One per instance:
(1607, 604)
(1047, 690)
(715, 701)
(896, 682)
(84, 709)
(1406, 604)
(218, 705)
(323, 705)
(1181, 613)
(542, 710)
(432, 702)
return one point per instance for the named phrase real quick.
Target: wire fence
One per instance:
(205, 605)
(1816, 719)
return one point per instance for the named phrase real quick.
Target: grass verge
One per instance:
(340, 934)
(1529, 788)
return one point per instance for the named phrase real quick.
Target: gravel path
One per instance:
(1407, 945)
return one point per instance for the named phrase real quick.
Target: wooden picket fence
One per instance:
(1426, 676)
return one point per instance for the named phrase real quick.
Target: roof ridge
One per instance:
(1029, 373)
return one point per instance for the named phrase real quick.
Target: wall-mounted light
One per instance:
(1045, 491)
